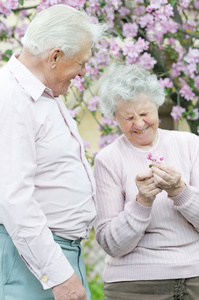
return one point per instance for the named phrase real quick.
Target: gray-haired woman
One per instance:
(148, 218)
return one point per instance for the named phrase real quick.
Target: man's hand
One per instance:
(71, 289)
(147, 188)
(168, 179)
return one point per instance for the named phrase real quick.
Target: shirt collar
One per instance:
(26, 79)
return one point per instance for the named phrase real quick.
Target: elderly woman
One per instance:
(148, 218)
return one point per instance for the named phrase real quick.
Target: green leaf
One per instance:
(6, 56)
(21, 2)
(173, 2)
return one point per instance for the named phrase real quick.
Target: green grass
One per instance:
(96, 289)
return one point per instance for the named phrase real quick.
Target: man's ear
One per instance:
(53, 57)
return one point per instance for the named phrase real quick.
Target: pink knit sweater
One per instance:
(144, 243)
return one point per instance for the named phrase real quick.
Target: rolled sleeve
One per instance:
(20, 213)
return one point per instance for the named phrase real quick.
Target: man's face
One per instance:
(68, 68)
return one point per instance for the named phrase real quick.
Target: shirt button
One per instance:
(44, 278)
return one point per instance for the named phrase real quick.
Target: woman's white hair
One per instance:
(61, 26)
(126, 82)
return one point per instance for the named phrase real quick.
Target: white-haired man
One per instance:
(46, 185)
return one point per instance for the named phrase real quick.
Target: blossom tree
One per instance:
(160, 35)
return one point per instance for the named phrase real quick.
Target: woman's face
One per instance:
(138, 120)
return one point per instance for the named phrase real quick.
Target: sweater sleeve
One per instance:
(187, 202)
(119, 225)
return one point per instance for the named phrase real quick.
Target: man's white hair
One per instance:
(126, 82)
(61, 26)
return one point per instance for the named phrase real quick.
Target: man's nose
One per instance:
(83, 71)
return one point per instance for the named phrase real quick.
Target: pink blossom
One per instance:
(86, 145)
(75, 3)
(145, 20)
(147, 61)
(130, 29)
(114, 47)
(187, 92)
(138, 11)
(180, 50)
(20, 31)
(78, 83)
(177, 68)
(123, 11)
(166, 82)
(141, 45)
(177, 112)
(72, 112)
(107, 139)
(116, 3)
(107, 121)
(155, 158)
(168, 10)
(196, 4)
(93, 103)
(190, 69)
(192, 56)
(92, 69)
(196, 82)
(183, 4)
(196, 115)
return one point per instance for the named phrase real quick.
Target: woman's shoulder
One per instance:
(112, 150)
(178, 136)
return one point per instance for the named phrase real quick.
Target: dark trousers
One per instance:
(173, 289)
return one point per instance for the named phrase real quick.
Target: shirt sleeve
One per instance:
(20, 213)
(187, 202)
(119, 224)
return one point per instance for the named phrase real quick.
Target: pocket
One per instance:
(8, 258)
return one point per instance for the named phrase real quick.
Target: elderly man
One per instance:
(46, 185)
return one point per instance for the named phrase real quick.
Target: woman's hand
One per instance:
(167, 178)
(147, 188)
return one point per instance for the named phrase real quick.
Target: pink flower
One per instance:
(146, 20)
(155, 158)
(93, 103)
(166, 82)
(187, 92)
(147, 61)
(196, 4)
(141, 45)
(87, 145)
(72, 112)
(177, 112)
(115, 48)
(196, 82)
(123, 11)
(106, 121)
(196, 115)
(130, 30)
(107, 139)
(78, 83)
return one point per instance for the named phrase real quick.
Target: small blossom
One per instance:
(195, 115)
(72, 112)
(130, 30)
(155, 158)
(177, 112)
(166, 83)
(93, 103)
(187, 93)
(107, 139)
(87, 145)
(78, 83)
